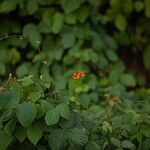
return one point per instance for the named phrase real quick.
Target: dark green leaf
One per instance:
(63, 110)
(57, 139)
(5, 140)
(34, 133)
(9, 99)
(52, 117)
(26, 113)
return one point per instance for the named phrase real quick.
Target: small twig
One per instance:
(10, 36)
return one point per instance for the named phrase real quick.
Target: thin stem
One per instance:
(10, 36)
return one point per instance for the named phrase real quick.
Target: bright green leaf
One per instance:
(34, 96)
(120, 22)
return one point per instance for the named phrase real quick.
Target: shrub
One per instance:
(34, 115)
(108, 39)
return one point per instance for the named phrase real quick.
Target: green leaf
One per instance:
(20, 133)
(146, 57)
(115, 142)
(120, 22)
(9, 99)
(5, 140)
(78, 136)
(46, 106)
(147, 8)
(127, 144)
(26, 81)
(92, 146)
(107, 127)
(128, 80)
(34, 133)
(128, 6)
(138, 5)
(7, 6)
(57, 22)
(63, 110)
(146, 132)
(26, 113)
(34, 96)
(2, 69)
(71, 5)
(66, 124)
(52, 117)
(112, 56)
(32, 7)
(68, 40)
(9, 127)
(57, 139)
(22, 70)
(70, 18)
(146, 144)
(84, 13)
(31, 32)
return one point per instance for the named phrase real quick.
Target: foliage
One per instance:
(108, 40)
(52, 122)
(91, 35)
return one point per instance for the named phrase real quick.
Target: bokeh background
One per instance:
(108, 39)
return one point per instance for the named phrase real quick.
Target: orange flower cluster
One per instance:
(78, 75)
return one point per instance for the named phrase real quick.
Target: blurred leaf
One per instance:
(71, 5)
(31, 31)
(57, 22)
(32, 6)
(9, 99)
(146, 57)
(138, 5)
(128, 80)
(120, 22)
(8, 5)
(147, 8)
(68, 40)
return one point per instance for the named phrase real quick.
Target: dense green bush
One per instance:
(108, 39)
(34, 115)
